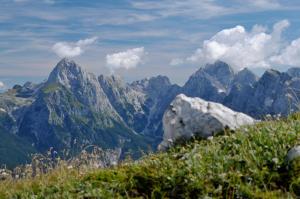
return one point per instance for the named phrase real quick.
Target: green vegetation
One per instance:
(51, 88)
(249, 163)
(14, 150)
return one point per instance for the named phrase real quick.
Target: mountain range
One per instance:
(74, 108)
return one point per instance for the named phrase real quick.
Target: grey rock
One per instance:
(242, 88)
(211, 82)
(245, 77)
(73, 110)
(187, 117)
(74, 105)
(158, 92)
(271, 95)
(294, 72)
(153, 87)
(129, 103)
(83, 85)
(293, 153)
(221, 71)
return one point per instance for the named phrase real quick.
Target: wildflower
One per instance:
(210, 138)
(275, 160)
(170, 140)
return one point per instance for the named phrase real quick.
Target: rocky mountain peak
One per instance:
(151, 82)
(211, 82)
(294, 72)
(220, 71)
(66, 65)
(160, 79)
(112, 80)
(152, 86)
(245, 77)
(67, 73)
(271, 73)
(273, 76)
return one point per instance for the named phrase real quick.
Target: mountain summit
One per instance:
(67, 73)
(74, 108)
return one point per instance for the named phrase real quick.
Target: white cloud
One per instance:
(86, 42)
(66, 49)
(268, 4)
(241, 48)
(127, 59)
(176, 61)
(2, 85)
(194, 8)
(204, 9)
(290, 55)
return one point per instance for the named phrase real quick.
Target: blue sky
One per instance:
(137, 39)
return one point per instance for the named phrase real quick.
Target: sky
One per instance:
(142, 38)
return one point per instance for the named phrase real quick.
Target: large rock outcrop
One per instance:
(293, 153)
(188, 117)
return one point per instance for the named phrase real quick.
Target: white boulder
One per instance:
(187, 117)
(293, 153)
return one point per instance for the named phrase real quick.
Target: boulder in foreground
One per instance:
(188, 117)
(293, 153)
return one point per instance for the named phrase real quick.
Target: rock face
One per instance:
(270, 94)
(244, 77)
(158, 92)
(242, 88)
(74, 108)
(294, 72)
(293, 153)
(211, 82)
(187, 117)
(128, 102)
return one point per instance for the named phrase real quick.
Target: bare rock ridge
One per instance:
(74, 108)
(188, 117)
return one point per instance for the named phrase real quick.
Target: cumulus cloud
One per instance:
(128, 59)
(67, 49)
(2, 85)
(241, 48)
(289, 55)
(176, 61)
(87, 41)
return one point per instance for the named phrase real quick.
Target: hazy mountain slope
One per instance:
(211, 82)
(159, 92)
(74, 108)
(14, 150)
(242, 88)
(72, 111)
(129, 103)
(272, 94)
